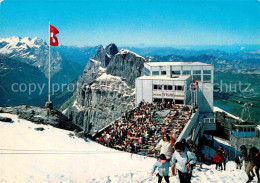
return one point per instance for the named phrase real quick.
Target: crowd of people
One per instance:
(249, 158)
(139, 130)
(146, 131)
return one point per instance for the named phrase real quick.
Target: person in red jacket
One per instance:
(218, 159)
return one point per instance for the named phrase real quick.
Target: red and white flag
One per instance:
(53, 38)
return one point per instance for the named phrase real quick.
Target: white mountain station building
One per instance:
(170, 82)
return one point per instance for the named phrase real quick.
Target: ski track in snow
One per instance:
(56, 157)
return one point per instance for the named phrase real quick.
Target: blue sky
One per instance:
(134, 22)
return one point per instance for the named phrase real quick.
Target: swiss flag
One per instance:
(53, 38)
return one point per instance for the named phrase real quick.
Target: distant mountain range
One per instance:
(25, 60)
(35, 52)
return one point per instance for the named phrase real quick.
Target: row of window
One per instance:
(168, 87)
(184, 72)
(205, 77)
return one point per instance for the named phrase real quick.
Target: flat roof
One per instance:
(177, 63)
(174, 78)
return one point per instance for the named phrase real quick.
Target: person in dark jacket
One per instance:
(239, 161)
(225, 155)
(247, 161)
(257, 165)
(254, 153)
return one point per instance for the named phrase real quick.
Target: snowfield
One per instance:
(54, 155)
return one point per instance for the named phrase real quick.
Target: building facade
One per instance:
(169, 81)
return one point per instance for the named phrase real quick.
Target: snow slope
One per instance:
(52, 155)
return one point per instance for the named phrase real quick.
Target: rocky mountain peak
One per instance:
(106, 88)
(104, 54)
(127, 65)
(111, 49)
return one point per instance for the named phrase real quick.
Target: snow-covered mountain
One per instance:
(35, 51)
(32, 51)
(56, 155)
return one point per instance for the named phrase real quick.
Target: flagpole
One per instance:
(197, 95)
(49, 83)
(191, 95)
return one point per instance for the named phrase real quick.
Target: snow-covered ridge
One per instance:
(217, 109)
(16, 42)
(126, 51)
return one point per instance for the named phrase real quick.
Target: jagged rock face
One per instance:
(127, 65)
(104, 55)
(95, 67)
(101, 102)
(103, 93)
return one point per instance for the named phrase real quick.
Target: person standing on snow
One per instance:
(239, 161)
(247, 162)
(184, 159)
(225, 155)
(255, 156)
(163, 168)
(164, 146)
(218, 159)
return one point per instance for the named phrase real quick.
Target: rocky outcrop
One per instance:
(5, 119)
(127, 65)
(39, 116)
(105, 90)
(104, 55)
(101, 102)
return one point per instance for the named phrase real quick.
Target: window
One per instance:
(180, 88)
(207, 72)
(157, 87)
(186, 72)
(197, 72)
(167, 87)
(197, 76)
(176, 72)
(206, 77)
(178, 101)
(163, 72)
(155, 73)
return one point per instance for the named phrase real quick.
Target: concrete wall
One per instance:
(190, 126)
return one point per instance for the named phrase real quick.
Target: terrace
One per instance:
(140, 129)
